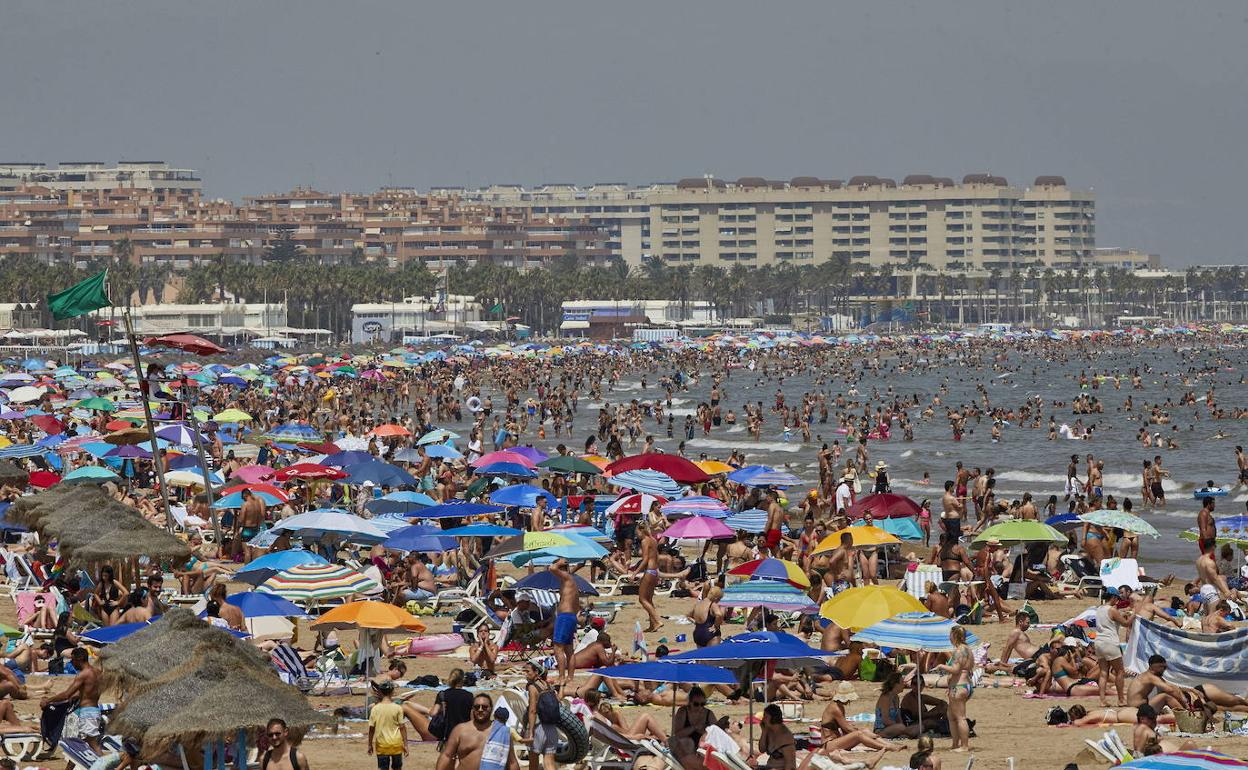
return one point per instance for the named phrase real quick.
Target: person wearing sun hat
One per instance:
(839, 733)
(881, 479)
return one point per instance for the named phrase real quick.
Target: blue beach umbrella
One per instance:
(255, 604)
(506, 469)
(89, 474)
(280, 560)
(545, 580)
(647, 481)
(421, 538)
(380, 473)
(667, 670)
(482, 530)
(456, 508)
(521, 495)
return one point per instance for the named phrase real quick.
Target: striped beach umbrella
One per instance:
(647, 481)
(924, 631)
(1191, 759)
(696, 505)
(1121, 520)
(763, 476)
(318, 581)
(773, 595)
(753, 520)
(779, 570)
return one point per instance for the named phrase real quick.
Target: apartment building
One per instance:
(181, 229)
(982, 222)
(81, 177)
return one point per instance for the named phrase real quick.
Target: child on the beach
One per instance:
(387, 729)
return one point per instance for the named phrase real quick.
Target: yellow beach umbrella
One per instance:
(864, 537)
(232, 415)
(858, 608)
(714, 467)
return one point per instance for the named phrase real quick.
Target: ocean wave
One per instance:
(746, 446)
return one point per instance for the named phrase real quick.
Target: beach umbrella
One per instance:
(506, 469)
(1188, 759)
(648, 482)
(1120, 520)
(578, 549)
(437, 436)
(863, 606)
(1230, 529)
(453, 509)
(786, 650)
(534, 456)
(502, 456)
(44, 479)
(25, 394)
(442, 451)
(255, 604)
(698, 528)
(674, 467)
(696, 505)
(753, 520)
(634, 504)
(773, 569)
(763, 476)
(177, 434)
(905, 529)
(48, 424)
(667, 670)
(371, 619)
(332, 525)
(318, 581)
(382, 474)
(407, 455)
(113, 634)
(421, 538)
(389, 522)
(1064, 521)
(482, 530)
(253, 473)
(312, 471)
(768, 594)
(583, 530)
(235, 500)
(864, 537)
(569, 464)
(884, 506)
(389, 430)
(232, 415)
(528, 541)
(189, 343)
(96, 404)
(94, 474)
(521, 495)
(1018, 532)
(280, 560)
(713, 467)
(258, 486)
(545, 580)
(917, 630)
(295, 432)
(402, 502)
(348, 457)
(186, 478)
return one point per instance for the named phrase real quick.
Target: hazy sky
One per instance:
(1146, 101)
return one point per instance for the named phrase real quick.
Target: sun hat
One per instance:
(844, 693)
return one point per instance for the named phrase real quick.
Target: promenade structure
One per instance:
(982, 222)
(81, 177)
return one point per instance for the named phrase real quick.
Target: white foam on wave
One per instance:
(745, 446)
(1132, 481)
(681, 412)
(1028, 477)
(907, 453)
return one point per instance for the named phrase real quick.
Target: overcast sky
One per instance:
(1145, 101)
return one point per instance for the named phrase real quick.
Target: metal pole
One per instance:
(147, 416)
(203, 460)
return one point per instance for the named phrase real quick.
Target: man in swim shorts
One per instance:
(564, 633)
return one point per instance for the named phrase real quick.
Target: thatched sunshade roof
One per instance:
(214, 694)
(11, 474)
(91, 526)
(169, 643)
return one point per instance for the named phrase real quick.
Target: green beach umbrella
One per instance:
(569, 464)
(1120, 520)
(1018, 532)
(96, 403)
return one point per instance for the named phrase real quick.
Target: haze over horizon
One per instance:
(1142, 101)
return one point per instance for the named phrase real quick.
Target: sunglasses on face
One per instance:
(480, 706)
(276, 735)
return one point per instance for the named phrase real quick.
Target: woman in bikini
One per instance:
(888, 715)
(645, 726)
(1081, 717)
(960, 667)
(841, 734)
(689, 724)
(777, 748)
(109, 597)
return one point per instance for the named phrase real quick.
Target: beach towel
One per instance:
(497, 748)
(1191, 657)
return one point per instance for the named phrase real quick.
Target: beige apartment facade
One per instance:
(982, 222)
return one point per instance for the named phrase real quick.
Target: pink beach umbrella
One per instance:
(698, 528)
(253, 473)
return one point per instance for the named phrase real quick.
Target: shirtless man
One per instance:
(465, 747)
(1207, 574)
(1142, 606)
(247, 524)
(936, 601)
(599, 653)
(840, 574)
(1027, 510)
(953, 509)
(1018, 643)
(84, 721)
(564, 636)
(1241, 462)
(775, 522)
(1145, 730)
(282, 755)
(649, 576)
(1096, 472)
(1073, 485)
(1214, 620)
(1206, 526)
(1151, 689)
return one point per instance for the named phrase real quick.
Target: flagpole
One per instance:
(147, 415)
(185, 396)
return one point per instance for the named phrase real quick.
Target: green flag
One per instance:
(81, 298)
(497, 308)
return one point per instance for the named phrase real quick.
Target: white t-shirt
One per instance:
(843, 496)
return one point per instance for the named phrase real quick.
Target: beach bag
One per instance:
(437, 726)
(547, 707)
(866, 669)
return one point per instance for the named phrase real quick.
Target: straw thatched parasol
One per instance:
(169, 643)
(11, 474)
(91, 526)
(211, 696)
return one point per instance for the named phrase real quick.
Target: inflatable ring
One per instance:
(473, 403)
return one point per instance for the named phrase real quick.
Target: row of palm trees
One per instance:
(321, 296)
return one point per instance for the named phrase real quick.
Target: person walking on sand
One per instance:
(387, 728)
(1108, 651)
(649, 576)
